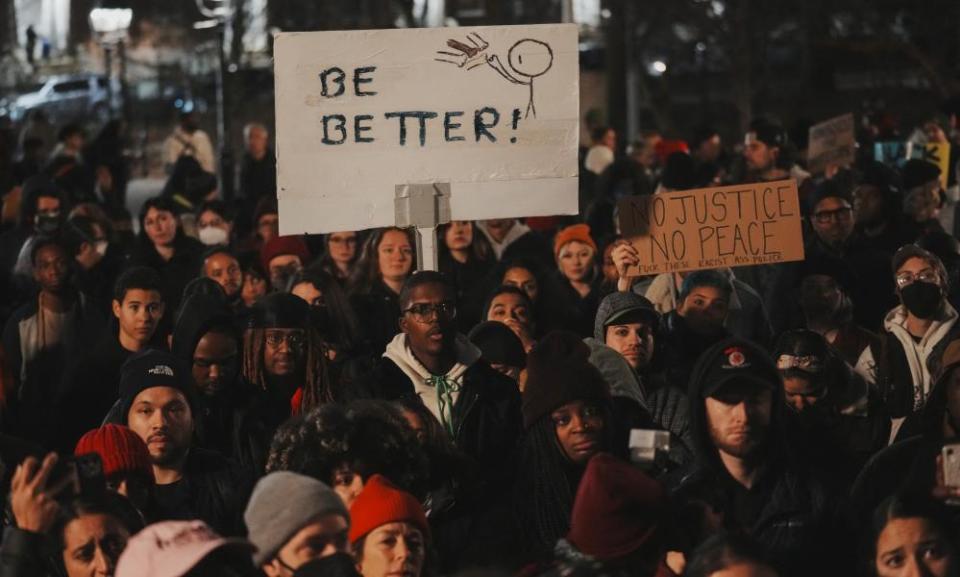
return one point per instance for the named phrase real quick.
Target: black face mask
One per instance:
(47, 223)
(336, 565)
(921, 298)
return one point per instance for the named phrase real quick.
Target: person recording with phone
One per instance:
(62, 532)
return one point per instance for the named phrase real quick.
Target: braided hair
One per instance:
(317, 384)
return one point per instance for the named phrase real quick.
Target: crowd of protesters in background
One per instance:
(195, 394)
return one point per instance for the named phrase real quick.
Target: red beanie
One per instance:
(577, 232)
(284, 245)
(380, 503)
(121, 450)
(616, 511)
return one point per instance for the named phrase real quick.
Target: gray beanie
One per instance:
(618, 305)
(282, 503)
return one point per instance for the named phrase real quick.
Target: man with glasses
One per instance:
(862, 270)
(915, 333)
(283, 359)
(478, 407)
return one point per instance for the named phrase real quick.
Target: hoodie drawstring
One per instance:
(445, 391)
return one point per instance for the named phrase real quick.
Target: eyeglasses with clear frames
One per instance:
(908, 278)
(294, 340)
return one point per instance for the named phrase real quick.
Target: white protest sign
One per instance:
(493, 111)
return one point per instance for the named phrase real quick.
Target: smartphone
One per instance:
(85, 472)
(951, 465)
(646, 444)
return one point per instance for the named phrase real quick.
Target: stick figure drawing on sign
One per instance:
(527, 59)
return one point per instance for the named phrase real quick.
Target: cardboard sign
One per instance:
(491, 111)
(832, 142)
(894, 153)
(714, 227)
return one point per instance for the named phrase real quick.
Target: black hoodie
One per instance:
(226, 421)
(788, 511)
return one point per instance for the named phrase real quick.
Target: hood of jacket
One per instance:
(400, 353)
(703, 447)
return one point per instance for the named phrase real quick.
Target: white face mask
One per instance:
(213, 235)
(101, 247)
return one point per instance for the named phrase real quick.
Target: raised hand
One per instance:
(469, 55)
(34, 504)
(624, 257)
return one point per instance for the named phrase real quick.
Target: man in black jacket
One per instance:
(744, 477)
(478, 407)
(90, 387)
(206, 339)
(192, 483)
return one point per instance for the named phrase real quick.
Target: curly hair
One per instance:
(369, 437)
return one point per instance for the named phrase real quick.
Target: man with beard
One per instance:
(745, 478)
(222, 266)
(915, 334)
(832, 246)
(157, 403)
(206, 339)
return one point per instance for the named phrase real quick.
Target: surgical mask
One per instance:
(47, 222)
(213, 235)
(101, 247)
(921, 298)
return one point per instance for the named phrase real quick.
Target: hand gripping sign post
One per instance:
(714, 227)
(420, 127)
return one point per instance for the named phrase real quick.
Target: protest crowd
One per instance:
(195, 394)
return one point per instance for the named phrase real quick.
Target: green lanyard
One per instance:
(445, 391)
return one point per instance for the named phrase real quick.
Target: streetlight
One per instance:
(218, 13)
(110, 26)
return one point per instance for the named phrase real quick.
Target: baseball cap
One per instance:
(736, 360)
(172, 548)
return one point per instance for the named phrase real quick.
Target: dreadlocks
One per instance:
(317, 389)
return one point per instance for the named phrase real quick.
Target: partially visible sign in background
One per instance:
(832, 142)
(493, 111)
(714, 227)
(895, 153)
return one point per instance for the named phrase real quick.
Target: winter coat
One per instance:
(91, 387)
(900, 368)
(862, 272)
(486, 413)
(24, 554)
(789, 511)
(471, 282)
(679, 348)
(379, 315)
(39, 370)
(175, 273)
(212, 489)
(909, 465)
(748, 315)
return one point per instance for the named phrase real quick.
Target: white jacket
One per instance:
(197, 145)
(399, 352)
(917, 353)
